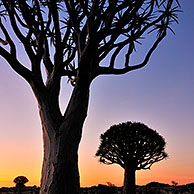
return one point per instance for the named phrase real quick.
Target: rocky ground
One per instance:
(151, 188)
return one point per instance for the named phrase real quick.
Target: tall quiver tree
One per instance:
(71, 38)
(133, 146)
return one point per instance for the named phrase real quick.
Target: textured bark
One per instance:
(129, 181)
(62, 135)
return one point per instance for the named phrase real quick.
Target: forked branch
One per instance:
(127, 67)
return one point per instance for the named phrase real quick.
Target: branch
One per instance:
(136, 32)
(12, 19)
(17, 31)
(8, 40)
(54, 12)
(46, 58)
(26, 13)
(84, 7)
(21, 22)
(4, 42)
(35, 60)
(11, 57)
(72, 14)
(149, 163)
(16, 65)
(109, 70)
(120, 46)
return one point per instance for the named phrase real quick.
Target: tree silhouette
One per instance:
(72, 39)
(133, 146)
(20, 181)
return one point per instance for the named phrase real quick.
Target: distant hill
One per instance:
(150, 188)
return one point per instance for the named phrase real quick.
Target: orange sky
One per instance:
(92, 172)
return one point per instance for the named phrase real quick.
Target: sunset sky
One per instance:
(161, 95)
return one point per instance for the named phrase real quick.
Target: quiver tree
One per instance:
(133, 146)
(71, 39)
(20, 181)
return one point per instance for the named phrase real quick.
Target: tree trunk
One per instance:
(62, 135)
(129, 180)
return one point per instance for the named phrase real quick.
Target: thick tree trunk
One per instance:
(129, 180)
(60, 174)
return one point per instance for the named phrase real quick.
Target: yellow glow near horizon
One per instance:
(93, 173)
(20, 160)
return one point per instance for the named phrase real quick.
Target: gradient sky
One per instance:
(160, 95)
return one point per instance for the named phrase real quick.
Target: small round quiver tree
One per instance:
(134, 146)
(20, 181)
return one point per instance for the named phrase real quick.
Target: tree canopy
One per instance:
(20, 181)
(133, 143)
(75, 28)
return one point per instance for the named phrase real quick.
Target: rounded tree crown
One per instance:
(131, 143)
(20, 181)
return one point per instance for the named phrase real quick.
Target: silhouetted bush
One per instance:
(20, 181)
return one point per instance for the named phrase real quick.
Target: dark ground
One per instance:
(150, 188)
